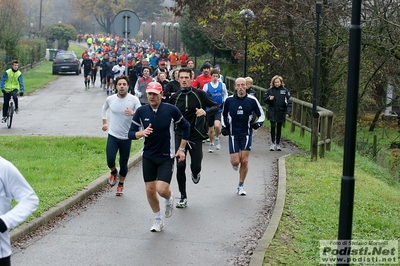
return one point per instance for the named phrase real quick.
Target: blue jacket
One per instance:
(237, 114)
(159, 145)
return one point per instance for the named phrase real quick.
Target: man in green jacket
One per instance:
(11, 84)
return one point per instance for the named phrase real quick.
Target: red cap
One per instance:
(154, 87)
(162, 62)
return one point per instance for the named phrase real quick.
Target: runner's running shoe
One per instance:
(235, 167)
(211, 148)
(112, 180)
(120, 191)
(196, 179)
(158, 225)
(217, 144)
(169, 208)
(182, 203)
(241, 191)
(278, 147)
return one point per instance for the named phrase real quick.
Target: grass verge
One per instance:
(311, 210)
(57, 167)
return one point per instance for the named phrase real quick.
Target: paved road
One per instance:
(62, 108)
(116, 230)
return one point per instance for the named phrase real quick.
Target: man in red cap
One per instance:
(155, 123)
(162, 67)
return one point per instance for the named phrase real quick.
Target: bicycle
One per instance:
(11, 111)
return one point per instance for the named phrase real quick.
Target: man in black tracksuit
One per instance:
(192, 103)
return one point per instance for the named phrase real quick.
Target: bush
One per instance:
(27, 52)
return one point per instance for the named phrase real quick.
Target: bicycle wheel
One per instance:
(10, 115)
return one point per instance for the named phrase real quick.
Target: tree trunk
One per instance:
(375, 120)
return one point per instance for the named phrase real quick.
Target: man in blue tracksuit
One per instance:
(237, 115)
(155, 122)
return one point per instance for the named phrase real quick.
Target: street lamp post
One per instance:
(169, 24)
(176, 26)
(163, 35)
(144, 25)
(40, 17)
(246, 15)
(350, 135)
(153, 25)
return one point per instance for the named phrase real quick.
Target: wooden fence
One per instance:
(320, 125)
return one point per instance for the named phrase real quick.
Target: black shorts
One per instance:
(212, 118)
(153, 170)
(87, 73)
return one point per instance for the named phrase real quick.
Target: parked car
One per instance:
(66, 62)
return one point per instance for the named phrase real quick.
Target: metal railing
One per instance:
(321, 129)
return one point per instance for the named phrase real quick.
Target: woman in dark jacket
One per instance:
(173, 86)
(279, 107)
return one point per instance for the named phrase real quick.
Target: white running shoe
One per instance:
(235, 167)
(272, 147)
(241, 191)
(278, 147)
(211, 148)
(158, 225)
(217, 144)
(169, 208)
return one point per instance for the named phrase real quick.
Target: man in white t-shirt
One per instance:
(13, 186)
(118, 71)
(122, 107)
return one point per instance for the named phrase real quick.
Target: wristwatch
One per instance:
(182, 149)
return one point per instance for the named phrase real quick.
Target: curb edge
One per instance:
(257, 258)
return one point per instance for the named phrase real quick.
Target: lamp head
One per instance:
(247, 14)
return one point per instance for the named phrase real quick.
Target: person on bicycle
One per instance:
(11, 84)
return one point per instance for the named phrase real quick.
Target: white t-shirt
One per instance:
(119, 122)
(13, 186)
(121, 71)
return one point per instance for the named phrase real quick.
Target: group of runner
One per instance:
(113, 57)
(201, 110)
(173, 129)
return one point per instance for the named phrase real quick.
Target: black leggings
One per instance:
(276, 126)
(103, 77)
(124, 146)
(7, 97)
(93, 76)
(196, 156)
(5, 261)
